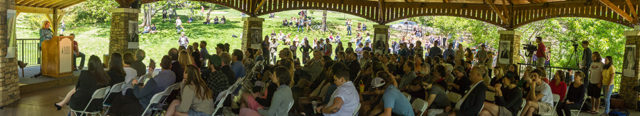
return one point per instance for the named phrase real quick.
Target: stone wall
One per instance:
(629, 95)
(9, 89)
(514, 38)
(252, 33)
(119, 35)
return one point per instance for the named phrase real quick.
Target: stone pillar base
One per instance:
(630, 72)
(380, 39)
(509, 47)
(119, 36)
(9, 88)
(252, 33)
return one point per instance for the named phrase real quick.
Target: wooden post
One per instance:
(380, 39)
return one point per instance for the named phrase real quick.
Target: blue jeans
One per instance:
(179, 29)
(607, 99)
(81, 55)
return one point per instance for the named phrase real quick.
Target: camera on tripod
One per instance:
(530, 48)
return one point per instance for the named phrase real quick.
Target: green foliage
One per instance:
(93, 11)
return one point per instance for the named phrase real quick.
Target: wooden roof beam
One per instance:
(495, 9)
(259, 6)
(633, 9)
(28, 9)
(71, 4)
(619, 11)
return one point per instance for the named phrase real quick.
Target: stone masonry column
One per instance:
(630, 72)
(252, 33)
(380, 39)
(119, 36)
(9, 89)
(509, 47)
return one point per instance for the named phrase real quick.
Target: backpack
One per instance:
(619, 113)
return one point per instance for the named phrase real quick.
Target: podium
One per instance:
(57, 56)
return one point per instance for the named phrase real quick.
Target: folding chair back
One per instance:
(454, 97)
(355, 112)
(576, 112)
(524, 102)
(407, 95)
(154, 100)
(98, 94)
(420, 105)
(490, 96)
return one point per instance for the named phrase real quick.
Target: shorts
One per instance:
(196, 113)
(594, 90)
(503, 111)
(545, 108)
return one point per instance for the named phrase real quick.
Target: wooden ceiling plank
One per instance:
(619, 11)
(259, 6)
(28, 9)
(68, 4)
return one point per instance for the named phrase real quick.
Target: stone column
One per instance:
(119, 36)
(9, 89)
(252, 33)
(509, 46)
(630, 72)
(380, 39)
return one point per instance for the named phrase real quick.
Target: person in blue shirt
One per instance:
(236, 65)
(394, 101)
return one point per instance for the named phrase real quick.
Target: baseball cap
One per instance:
(377, 82)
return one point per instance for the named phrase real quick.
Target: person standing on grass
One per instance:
(179, 26)
(608, 75)
(183, 40)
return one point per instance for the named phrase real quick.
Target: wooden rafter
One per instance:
(633, 9)
(27, 9)
(619, 11)
(495, 9)
(504, 8)
(259, 6)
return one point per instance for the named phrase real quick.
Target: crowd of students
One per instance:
(356, 80)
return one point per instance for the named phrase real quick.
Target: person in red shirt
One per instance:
(540, 53)
(557, 84)
(76, 54)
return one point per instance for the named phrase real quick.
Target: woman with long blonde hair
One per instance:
(196, 98)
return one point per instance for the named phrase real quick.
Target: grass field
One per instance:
(93, 39)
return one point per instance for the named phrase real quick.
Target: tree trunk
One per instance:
(324, 20)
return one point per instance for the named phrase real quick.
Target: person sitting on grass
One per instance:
(223, 20)
(196, 98)
(540, 98)
(216, 20)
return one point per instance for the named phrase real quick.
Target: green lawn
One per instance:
(93, 39)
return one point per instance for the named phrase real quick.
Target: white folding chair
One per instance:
(490, 96)
(556, 99)
(219, 103)
(154, 100)
(288, 109)
(98, 94)
(454, 97)
(524, 103)
(355, 112)
(407, 95)
(576, 112)
(420, 105)
(114, 89)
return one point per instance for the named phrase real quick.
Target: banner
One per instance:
(630, 60)
(504, 52)
(11, 34)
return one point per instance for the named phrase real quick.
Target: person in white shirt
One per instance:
(595, 81)
(179, 26)
(131, 73)
(345, 100)
(539, 97)
(183, 40)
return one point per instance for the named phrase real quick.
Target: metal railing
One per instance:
(27, 50)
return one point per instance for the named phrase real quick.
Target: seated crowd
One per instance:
(355, 82)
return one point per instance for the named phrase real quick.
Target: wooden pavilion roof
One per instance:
(44, 6)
